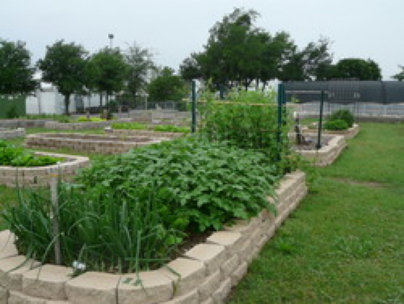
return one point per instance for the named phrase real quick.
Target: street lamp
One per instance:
(110, 36)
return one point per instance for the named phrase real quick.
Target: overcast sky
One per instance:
(175, 28)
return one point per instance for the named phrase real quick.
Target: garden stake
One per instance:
(320, 122)
(193, 124)
(55, 216)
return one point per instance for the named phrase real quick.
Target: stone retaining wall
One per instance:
(40, 176)
(327, 154)
(88, 143)
(77, 125)
(22, 123)
(11, 133)
(204, 274)
(348, 134)
(154, 134)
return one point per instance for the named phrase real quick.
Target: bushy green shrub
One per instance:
(129, 212)
(128, 126)
(248, 120)
(171, 128)
(344, 115)
(11, 155)
(90, 119)
(336, 125)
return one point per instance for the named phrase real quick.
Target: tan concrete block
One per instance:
(20, 298)
(212, 256)
(239, 273)
(47, 281)
(207, 301)
(3, 295)
(229, 266)
(245, 227)
(93, 288)
(188, 298)
(230, 240)
(222, 292)
(187, 274)
(245, 250)
(7, 247)
(210, 284)
(153, 287)
(11, 270)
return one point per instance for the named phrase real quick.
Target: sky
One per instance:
(173, 29)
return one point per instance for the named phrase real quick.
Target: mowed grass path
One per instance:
(345, 243)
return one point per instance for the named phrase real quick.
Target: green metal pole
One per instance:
(320, 122)
(281, 97)
(193, 124)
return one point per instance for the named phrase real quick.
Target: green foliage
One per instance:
(167, 87)
(16, 72)
(11, 155)
(128, 126)
(139, 64)
(106, 71)
(89, 119)
(64, 66)
(12, 112)
(127, 212)
(249, 121)
(171, 128)
(344, 115)
(399, 76)
(357, 68)
(336, 125)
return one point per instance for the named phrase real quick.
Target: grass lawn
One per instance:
(345, 243)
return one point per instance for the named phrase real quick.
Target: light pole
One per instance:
(110, 36)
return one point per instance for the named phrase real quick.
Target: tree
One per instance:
(167, 86)
(139, 64)
(64, 66)
(106, 72)
(357, 68)
(400, 76)
(16, 72)
(190, 68)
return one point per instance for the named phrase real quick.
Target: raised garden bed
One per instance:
(327, 154)
(148, 133)
(40, 176)
(90, 143)
(11, 133)
(205, 274)
(348, 134)
(76, 125)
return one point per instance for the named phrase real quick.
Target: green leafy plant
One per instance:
(11, 155)
(171, 128)
(129, 126)
(90, 119)
(345, 115)
(130, 211)
(336, 125)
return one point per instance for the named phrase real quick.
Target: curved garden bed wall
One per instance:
(11, 133)
(207, 272)
(154, 134)
(22, 123)
(89, 143)
(348, 134)
(40, 176)
(76, 125)
(327, 154)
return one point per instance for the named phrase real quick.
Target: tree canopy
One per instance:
(356, 68)
(238, 53)
(139, 63)
(166, 86)
(399, 76)
(64, 66)
(16, 72)
(106, 71)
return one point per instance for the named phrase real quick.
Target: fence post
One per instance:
(281, 97)
(55, 216)
(320, 122)
(193, 124)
